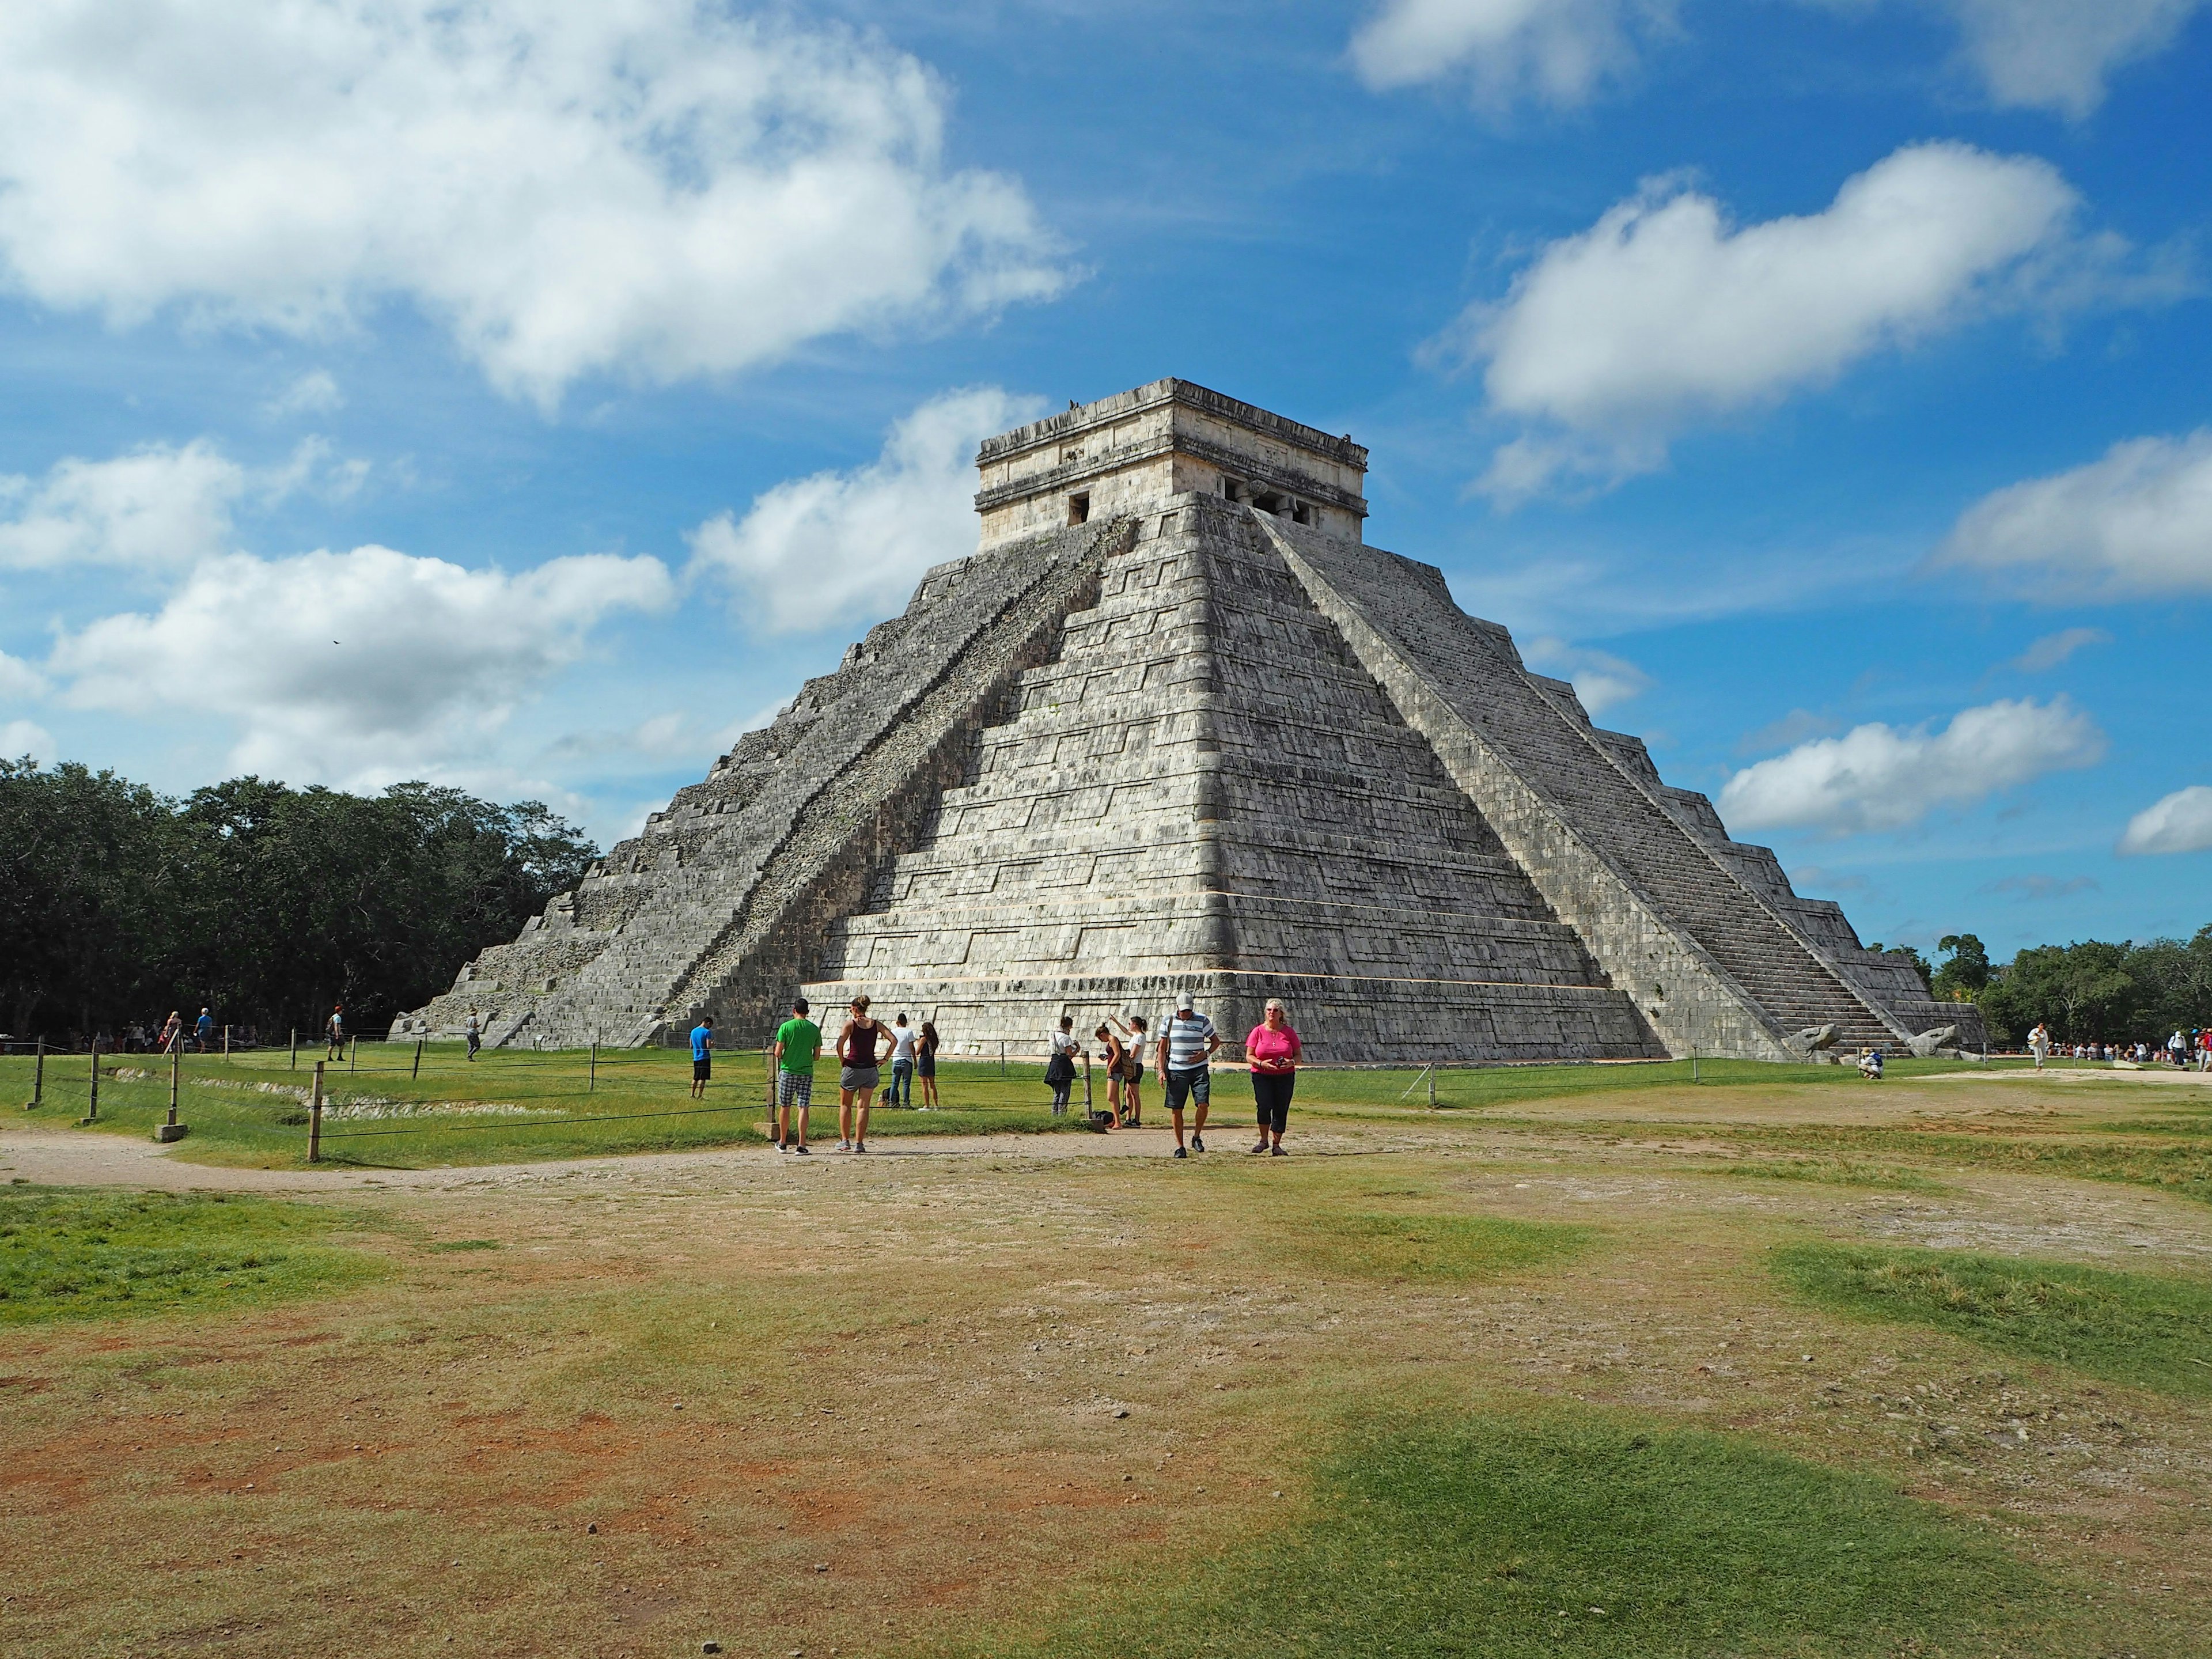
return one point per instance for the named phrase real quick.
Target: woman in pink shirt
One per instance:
(1273, 1049)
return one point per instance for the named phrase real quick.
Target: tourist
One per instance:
(1117, 1062)
(903, 1040)
(1273, 1050)
(925, 1064)
(703, 1055)
(2177, 1050)
(333, 1033)
(2038, 1044)
(204, 1029)
(860, 1064)
(798, 1041)
(475, 1034)
(1060, 1068)
(173, 1032)
(1186, 1048)
(1870, 1064)
(1137, 1035)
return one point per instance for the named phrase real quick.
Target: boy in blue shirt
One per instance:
(703, 1055)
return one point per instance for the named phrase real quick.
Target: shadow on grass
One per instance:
(71, 1254)
(2147, 1329)
(1581, 1535)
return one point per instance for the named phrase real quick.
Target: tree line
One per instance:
(2091, 991)
(264, 903)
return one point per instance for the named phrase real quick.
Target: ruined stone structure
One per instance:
(1175, 726)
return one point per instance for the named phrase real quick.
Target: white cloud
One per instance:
(818, 551)
(18, 679)
(656, 188)
(2180, 823)
(2054, 649)
(1878, 777)
(158, 506)
(1555, 51)
(315, 393)
(1601, 680)
(2057, 54)
(352, 667)
(1662, 313)
(22, 737)
(2137, 521)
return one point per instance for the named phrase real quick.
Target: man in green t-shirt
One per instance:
(798, 1040)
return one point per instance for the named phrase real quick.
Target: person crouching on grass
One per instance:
(860, 1064)
(702, 1056)
(1273, 1050)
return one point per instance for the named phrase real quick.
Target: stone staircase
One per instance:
(1533, 728)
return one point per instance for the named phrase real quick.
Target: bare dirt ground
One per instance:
(857, 1404)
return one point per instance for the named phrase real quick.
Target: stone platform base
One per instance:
(1341, 1020)
(166, 1133)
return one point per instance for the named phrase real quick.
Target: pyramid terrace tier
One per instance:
(1342, 1019)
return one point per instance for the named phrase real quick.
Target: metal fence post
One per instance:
(92, 1115)
(593, 1086)
(315, 1119)
(226, 1042)
(417, 1072)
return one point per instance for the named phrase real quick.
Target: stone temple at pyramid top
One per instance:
(1174, 727)
(1135, 450)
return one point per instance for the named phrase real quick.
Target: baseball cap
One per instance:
(1182, 1001)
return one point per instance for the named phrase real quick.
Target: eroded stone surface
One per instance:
(1173, 728)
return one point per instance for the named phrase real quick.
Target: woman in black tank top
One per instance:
(856, 1080)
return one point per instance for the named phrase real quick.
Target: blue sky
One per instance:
(529, 397)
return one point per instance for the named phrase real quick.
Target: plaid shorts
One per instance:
(794, 1089)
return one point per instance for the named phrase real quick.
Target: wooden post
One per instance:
(1432, 1087)
(38, 1077)
(417, 1072)
(1002, 1057)
(593, 1086)
(315, 1119)
(1086, 1085)
(296, 1048)
(176, 1078)
(353, 1054)
(226, 1042)
(93, 1116)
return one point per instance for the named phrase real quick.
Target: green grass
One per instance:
(1582, 1535)
(1437, 1248)
(1476, 1088)
(71, 1254)
(1829, 1171)
(2147, 1329)
(508, 1106)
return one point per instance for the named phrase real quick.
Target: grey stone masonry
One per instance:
(1175, 727)
(1204, 791)
(1722, 958)
(720, 905)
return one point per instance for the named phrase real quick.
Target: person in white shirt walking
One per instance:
(1186, 1046)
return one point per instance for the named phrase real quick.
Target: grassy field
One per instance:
(1589, 1361)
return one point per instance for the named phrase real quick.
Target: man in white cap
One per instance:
(1185, 1047)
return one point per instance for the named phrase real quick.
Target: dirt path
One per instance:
(59, 1158)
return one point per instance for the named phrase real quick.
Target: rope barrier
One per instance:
(550, 1123)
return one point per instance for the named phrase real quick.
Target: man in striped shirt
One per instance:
(1185, 1047)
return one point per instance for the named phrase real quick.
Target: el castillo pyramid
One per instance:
(1174, 726)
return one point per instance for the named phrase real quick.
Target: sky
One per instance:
(530, 397)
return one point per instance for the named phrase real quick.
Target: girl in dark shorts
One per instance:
(925, 1064)
(1273, 1049)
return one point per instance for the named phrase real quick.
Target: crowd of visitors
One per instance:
(2183, 1050)
(1182, 1059)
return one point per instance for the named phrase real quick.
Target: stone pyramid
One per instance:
(1175, 727)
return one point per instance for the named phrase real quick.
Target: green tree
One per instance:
(1964, 970)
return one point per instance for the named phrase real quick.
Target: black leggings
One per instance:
(1272, 1090)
